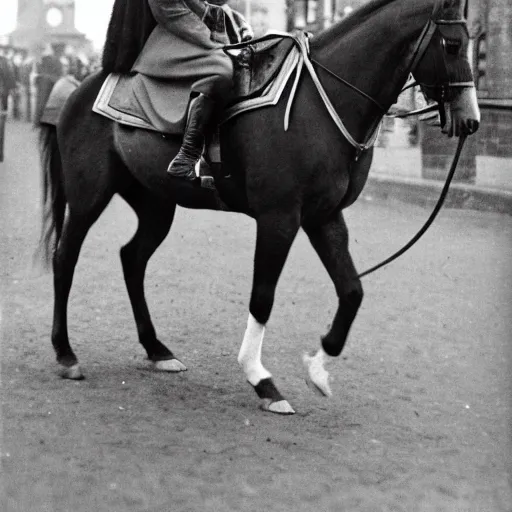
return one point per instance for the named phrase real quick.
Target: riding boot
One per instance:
(199, 116)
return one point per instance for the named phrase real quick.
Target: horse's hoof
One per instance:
(170, 365)
(271, 399)
(281, 407)
(71, 372)
(317, 375)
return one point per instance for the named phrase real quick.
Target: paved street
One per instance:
(421, 413)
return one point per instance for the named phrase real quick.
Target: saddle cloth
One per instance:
(262, 71)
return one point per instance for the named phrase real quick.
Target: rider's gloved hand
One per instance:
(246, 34)
(240, 25)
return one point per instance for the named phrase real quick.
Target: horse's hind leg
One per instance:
(331, 244)
(155, 219)
(74, 231)
(275, 235)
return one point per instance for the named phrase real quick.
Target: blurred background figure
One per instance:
(7, 77)
(7, 85)
(50, 67)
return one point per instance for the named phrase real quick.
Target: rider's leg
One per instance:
(200, 114)
(211, 94)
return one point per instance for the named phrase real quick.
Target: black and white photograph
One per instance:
(256, 255)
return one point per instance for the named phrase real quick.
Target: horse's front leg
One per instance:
(275, 234)
(331, 244)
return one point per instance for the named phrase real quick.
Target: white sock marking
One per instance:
(249, 356)
(318, 375)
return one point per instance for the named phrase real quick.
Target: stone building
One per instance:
(490, 27)
(495, 78)
(493, 23)
(263, 15)
(312, 15)
(44, 22)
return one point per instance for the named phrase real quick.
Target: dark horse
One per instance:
(304, 177)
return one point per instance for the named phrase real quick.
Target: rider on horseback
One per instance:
(180, 40)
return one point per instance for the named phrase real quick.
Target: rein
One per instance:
(349, 85)
(305, 60)
(432, 217)
(302, 42)
(444, 86)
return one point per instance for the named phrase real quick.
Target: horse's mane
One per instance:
(130, 24)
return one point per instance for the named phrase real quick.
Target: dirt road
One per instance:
(421, 413)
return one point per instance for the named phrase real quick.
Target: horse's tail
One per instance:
(53, 196)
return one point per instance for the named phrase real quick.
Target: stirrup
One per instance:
(207, 182)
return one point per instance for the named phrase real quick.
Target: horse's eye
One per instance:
(452, 46)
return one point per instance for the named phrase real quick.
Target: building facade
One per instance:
(490, 24)
(490, 28)
(46, 22)
(263, 15)
(312, 15)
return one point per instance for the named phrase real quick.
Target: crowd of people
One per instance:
(21, 72)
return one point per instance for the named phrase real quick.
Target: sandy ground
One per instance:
(421, 412)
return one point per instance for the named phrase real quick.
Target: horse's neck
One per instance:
(373, 55)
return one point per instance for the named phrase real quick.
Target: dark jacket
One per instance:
(183, 47)
(182, 55)
(7, 77)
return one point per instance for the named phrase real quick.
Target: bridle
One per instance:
(302, 42)
(441, 89)
(444, 88)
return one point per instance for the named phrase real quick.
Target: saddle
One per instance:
(257, 65)
(261, 69)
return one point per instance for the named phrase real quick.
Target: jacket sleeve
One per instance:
(189, 18)
(245, 31)
(198, 7)
(167, 12)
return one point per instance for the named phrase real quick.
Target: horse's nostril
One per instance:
(472, 125)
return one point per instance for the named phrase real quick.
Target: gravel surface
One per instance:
(421, 413)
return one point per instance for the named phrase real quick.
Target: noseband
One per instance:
(442, 89)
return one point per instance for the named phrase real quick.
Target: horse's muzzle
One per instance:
(462, 114)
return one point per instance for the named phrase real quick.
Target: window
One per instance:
(480, 61)
(306, 13)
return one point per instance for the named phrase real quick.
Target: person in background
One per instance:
(49, 69)
(7, 78)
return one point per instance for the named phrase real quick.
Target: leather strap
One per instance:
(432, 217)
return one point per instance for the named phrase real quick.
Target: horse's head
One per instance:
(443, 70)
